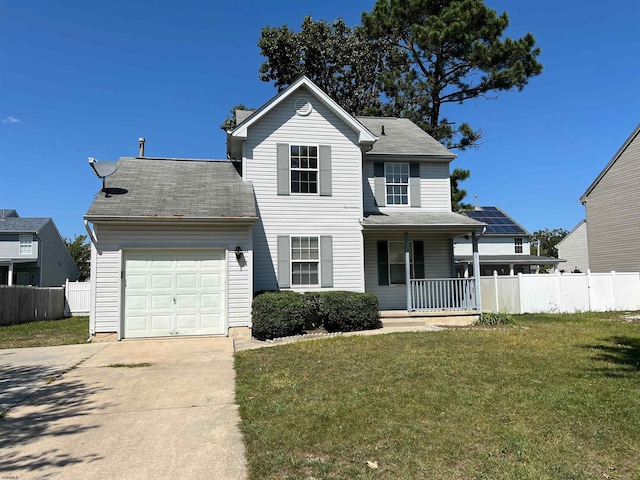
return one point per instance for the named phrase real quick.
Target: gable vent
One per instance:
(303, 106)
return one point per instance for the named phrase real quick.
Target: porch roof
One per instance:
(510, 259)
(436, 221)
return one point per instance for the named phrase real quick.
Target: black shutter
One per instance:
(418, 259)
(383, 263)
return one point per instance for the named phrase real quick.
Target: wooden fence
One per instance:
(20, 304)
(561, 293)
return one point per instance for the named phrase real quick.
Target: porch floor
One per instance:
(402, 318)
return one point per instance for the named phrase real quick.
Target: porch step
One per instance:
(402, 318)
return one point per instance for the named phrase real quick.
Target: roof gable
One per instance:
(364, 135)
(618, 154)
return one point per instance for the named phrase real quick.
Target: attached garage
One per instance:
(172, 250)
(174, 292)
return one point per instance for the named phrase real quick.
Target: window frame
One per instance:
(518, 243)
(403, 263)
(315, 170)
(25, 241)
(301, 261)
(387, 184)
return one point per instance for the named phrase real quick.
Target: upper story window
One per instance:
(518, 244)
(26, 244)
(305, 261)
(397, 183)
(304, 169)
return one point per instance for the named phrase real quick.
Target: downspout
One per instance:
(94, 241)
(92, 235)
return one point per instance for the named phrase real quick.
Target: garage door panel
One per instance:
(174, 292)
(186, 280)
(186, 301)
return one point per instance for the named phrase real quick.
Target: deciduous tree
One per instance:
(80, 251)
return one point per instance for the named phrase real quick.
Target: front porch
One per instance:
(441, 318)
(409, 265)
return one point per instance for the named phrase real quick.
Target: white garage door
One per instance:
(174, 292)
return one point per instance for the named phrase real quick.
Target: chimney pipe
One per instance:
(382, 132)
(141, 141)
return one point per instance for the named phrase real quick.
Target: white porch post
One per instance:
(10, 274)
(476, 269)
(466, 270)
(407, 269)
(511, 270)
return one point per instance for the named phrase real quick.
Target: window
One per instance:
(304, 169)
(397, 180)
(305, 260)
(397, 274)
(518, 244)
(26, 244)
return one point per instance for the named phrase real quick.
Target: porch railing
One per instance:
(443, 294)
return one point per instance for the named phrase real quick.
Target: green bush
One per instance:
(348, 311)
(491, 319)
(278, 314)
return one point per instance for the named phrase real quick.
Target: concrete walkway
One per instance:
(175, 418)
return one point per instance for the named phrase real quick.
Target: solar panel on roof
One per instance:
(497, 221)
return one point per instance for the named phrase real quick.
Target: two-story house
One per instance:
(32, 252)
(311, 198)
(504, 247)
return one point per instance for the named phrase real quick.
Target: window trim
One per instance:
(412, 261)
(316, 170)
(25, 241)
(318, 261)
(518, 242)
(407, 185)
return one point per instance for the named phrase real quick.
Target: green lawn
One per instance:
(45, 333)
(557, 397)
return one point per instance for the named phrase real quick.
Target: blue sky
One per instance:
(80, 79)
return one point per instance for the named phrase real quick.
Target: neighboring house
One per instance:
(311, 199)
(612, 204)
(573, 249)
(32, 252)
(504, 248)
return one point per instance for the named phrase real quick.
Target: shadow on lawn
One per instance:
(58, 409)
(622, 355)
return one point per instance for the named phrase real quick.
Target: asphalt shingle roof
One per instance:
(448, 219)
(156, 187)
(17, 224)
(402, 137)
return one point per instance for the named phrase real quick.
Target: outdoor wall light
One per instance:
(238, 252)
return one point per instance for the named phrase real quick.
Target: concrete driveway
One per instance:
(175, 418)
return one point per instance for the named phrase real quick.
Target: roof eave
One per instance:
(170, 219)
(583, 198)
(409, 156)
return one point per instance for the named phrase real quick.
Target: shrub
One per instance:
(348, 311)
(278, 314)
(491, 319)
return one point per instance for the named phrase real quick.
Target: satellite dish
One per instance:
(103, 169)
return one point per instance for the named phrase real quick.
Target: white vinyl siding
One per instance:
(435, 188)
(573, 249)
(490, 245)
(112, 240)
(612, 209)
(437, 264)
(337, 215)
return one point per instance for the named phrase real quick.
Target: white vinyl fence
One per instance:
(78, 297)
(561, 293)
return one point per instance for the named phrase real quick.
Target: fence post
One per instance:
(613, 290)
(495, 289)
(589, 288)
(520, 289)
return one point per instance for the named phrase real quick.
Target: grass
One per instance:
(557, 397)
(45, 333)
(130, 365)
